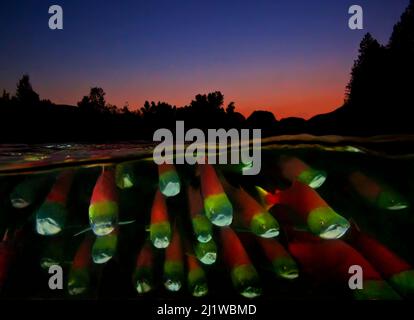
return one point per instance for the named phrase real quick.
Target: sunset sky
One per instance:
(289, 57)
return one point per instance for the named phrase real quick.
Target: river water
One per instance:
(368, 182)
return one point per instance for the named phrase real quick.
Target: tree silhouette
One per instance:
(112, 109)
(402, 38)
(379, 99)
(5, 97)
(210, 103)
(95, 101)
(97, 97)
(125, 109)
(364, 72)
(146, 109)
(401, 66)
(25, 94)
(230, 108)
(379, 95)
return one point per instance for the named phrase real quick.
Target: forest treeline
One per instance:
(378, 100)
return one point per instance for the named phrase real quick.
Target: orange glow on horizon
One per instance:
(302, 106)
(296, 106)
(303, 91)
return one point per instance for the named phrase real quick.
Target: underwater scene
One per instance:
(121, 226)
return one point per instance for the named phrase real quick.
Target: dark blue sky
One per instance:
(290, 57)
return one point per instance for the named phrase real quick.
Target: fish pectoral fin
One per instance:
(354, 225)
(123, 223)
(82, 231)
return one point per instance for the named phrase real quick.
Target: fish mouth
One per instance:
(222, 220)
(204, 237)
(161, 242)
(264, 225)
(391, 200)
(312, 177)
(46, 263)
(270, 233)
(317, 181)
(143, 286)
(398, 206)
(102, 257)
(218, 210)
(19, 203)
(286, 268)
(47, 226)
(75, 289)
(334, 231)
(247, 167)
(127, 181)
(209, 258)
(102, 228)
(173, 285)
(251, 292)
(200, 290)
(290, 274)
(171, 189)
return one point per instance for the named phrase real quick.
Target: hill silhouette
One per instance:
(378, 100)
(379, 96)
